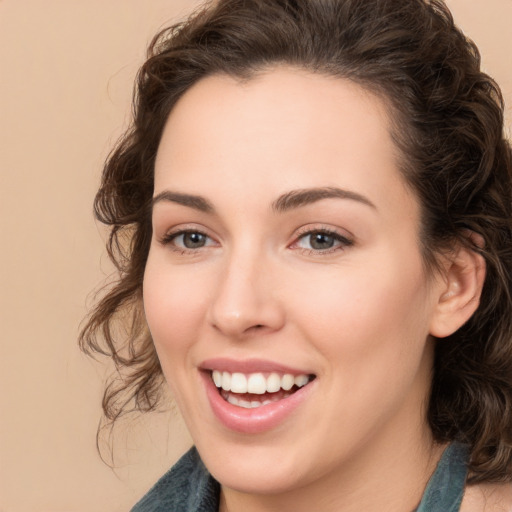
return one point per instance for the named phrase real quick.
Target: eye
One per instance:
(187, 240)
(191, 240)
(322, 240)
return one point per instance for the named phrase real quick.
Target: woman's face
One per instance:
(285, 251)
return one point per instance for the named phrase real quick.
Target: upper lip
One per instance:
(249, 366)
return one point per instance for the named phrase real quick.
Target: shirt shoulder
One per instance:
(187, 486)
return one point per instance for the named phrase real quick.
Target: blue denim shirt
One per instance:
(445, 488)
(188, 487)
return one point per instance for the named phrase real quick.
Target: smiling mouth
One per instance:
(257, 389)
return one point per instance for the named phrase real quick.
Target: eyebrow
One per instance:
(192, 201)
(285, 202)
(303, 197)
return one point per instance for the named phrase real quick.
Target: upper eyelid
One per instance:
(185, 228)
(307, 229)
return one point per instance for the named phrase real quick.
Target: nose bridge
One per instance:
(244, 298)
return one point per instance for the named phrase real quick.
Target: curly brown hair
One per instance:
(448, 123)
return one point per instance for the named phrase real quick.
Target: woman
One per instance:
(312, 222)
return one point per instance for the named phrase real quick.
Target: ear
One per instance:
(459, 290)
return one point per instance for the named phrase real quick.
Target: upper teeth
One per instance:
(257, 383)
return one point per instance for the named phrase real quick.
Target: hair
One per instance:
(447, 118)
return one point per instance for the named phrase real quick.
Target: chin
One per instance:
(257, 468)
(269, 478)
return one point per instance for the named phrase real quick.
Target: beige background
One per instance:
(66, 75)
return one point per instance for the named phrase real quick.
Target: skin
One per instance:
(488, 497)
(359, 315)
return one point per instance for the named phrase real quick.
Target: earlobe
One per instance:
(459, 290)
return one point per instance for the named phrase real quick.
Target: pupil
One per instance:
(193, 240)
(322, 241)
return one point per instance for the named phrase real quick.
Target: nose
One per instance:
(245, 300)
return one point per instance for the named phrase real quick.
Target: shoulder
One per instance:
(492, 497)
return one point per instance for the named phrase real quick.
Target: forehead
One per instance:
(284, 128)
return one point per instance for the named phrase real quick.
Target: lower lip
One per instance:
(256, 420)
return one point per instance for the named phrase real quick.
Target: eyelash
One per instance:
(343, 241)
(169, 238)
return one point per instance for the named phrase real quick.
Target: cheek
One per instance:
(174, 302)
(371, 329)
(369, 313)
